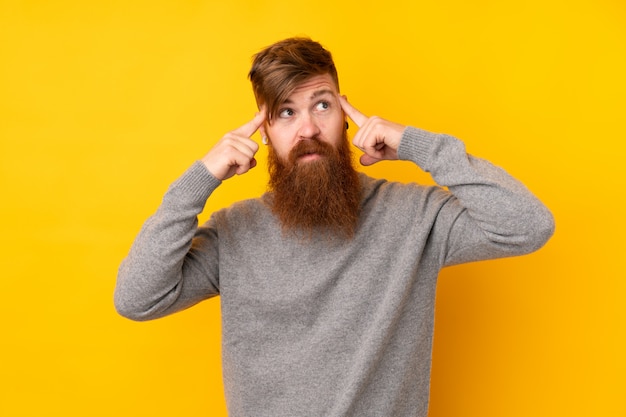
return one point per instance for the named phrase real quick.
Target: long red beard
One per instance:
(320, 196)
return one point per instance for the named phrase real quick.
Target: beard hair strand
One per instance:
(316, 197)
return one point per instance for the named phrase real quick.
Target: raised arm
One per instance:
(162, 272)
(490, 215)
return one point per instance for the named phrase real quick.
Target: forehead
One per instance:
(313, 87)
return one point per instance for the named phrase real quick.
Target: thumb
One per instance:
(367, 160)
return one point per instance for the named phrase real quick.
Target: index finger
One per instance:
(356, 116)
(252, 126)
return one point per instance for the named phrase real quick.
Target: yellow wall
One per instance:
(104, 103)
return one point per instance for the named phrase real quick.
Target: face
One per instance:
(312, 112)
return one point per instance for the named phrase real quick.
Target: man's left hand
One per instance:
(377, 138)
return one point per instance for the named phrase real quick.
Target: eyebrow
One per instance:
(321, 93)
(315, 94)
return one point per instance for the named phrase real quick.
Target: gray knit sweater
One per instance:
(324, 327)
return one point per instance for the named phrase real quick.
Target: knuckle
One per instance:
(227, 139)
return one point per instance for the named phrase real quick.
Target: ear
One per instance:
(264, 138)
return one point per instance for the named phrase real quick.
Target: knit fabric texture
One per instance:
(324, 326)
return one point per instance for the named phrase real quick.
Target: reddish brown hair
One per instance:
(278, 69)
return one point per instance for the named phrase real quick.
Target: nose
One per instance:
(308, 128)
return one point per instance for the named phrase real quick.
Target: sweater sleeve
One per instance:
(162, 273)
(490, 214)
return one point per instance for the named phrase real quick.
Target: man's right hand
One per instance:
(234, 153)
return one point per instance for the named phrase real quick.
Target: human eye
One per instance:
(322, 105)
(285, 113)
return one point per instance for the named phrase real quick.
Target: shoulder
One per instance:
(398, 198)
(244, 216)
(379, 187)
(243, 209)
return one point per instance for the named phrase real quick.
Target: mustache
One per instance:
(310, 146)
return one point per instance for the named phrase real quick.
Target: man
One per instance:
(327, 281)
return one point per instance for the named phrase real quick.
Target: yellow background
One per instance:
(104, 103)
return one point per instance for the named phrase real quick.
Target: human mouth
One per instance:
(309, 157)
(307, 151)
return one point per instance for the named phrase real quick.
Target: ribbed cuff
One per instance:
(416, 145)
(197, 184)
